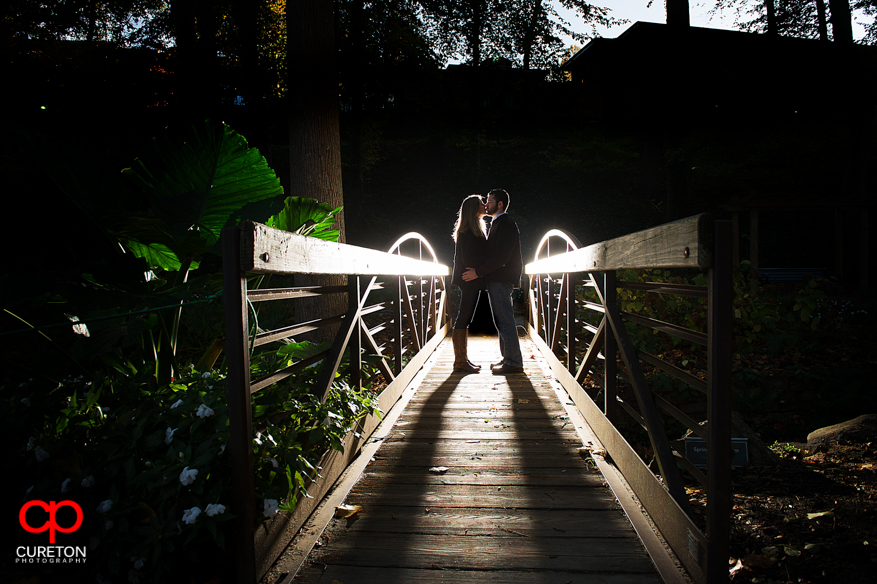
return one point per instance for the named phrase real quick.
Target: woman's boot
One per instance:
(461, 361)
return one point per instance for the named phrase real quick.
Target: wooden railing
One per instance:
(410, 318)
(577, 331)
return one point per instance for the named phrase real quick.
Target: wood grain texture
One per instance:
(518, 501)
(681, 244)
(268, 250)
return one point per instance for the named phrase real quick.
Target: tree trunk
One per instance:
(252, 87)
(841, 21)
(677, 13)
(183, 18)
(823, 22)
(314, 140)
(530, 33)
(773, 28)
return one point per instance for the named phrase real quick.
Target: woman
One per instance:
(468, 252)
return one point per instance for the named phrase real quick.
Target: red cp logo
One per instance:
(52, 525)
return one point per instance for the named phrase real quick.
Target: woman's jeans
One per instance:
(500, 294)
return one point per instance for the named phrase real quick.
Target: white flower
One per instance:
(64, 485)
(273, 461)
(176, 403)
(169, 435)
(138, 562)
(190, 515)
(214, 509)
(187, 477)
(258, 438)
(204, 411)
(25, 401)
(41, 455)
(88, 481)
(105, 506)
(31, 444)
(222, 449)
(205, 375)
(272, 506)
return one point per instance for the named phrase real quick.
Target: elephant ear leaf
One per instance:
(306, 217)
(197, 182)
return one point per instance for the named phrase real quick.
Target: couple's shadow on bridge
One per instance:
(480, 472)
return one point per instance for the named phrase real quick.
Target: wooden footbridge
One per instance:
(560, 474)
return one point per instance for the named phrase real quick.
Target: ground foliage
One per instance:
(810, 520)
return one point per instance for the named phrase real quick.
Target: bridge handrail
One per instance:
(417, 323)
(694, 242)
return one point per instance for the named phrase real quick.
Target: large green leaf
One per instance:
(306, 217)
(197, 182)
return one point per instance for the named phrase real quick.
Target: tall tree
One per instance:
(314, 139)
(841, 21)
(527, 33)
(677, 13)
(796, 18)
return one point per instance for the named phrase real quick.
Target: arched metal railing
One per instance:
(576, 320)
(396, 310)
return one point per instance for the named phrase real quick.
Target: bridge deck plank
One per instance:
(517, 504)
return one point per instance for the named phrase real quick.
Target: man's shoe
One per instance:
(497, 365)
(508, 369)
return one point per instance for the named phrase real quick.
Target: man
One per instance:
(502, 270)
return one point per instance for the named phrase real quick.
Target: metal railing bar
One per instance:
(371, 309)
(666, 327)
(588, 305)
(296, 329)
(290, 293)
(351, 322)
(680, 374)
(263, 382)
(690, 290)
(695, 472)
(592, 353)
(657, 435)
(681, 417)
(631, 411)
(558, 314)
(412, 321)
(382, 363)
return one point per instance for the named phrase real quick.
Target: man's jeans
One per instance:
(500, 294)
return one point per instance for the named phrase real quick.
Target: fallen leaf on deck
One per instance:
(439, 469)
(820, 514)
(738, 566)
(758, 561)
(343, 511)
(523, 401)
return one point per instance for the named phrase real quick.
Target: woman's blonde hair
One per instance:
(467, 217)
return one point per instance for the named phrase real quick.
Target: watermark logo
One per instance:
(50, 554)
(52, 523)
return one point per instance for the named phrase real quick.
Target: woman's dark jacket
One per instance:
(468, 253)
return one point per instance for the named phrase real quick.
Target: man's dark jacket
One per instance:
(503, 261)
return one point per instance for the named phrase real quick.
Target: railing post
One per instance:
(571, 327)
(355, 344)
(610, 384)
(397, 333)
(240, 414)
(719, 406)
